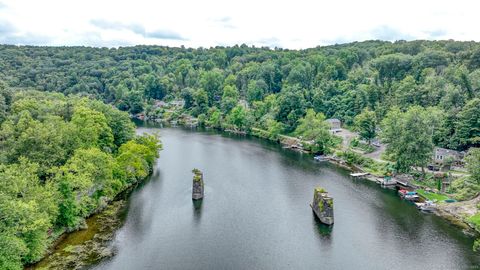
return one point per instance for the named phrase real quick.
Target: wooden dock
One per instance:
(359, 174)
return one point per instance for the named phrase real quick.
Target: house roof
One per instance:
(444, 151)
(333, 120)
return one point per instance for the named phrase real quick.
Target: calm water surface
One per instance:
(256, 215)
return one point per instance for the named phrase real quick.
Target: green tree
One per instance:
(472, 161)
(239, 118)
(467, 128)
(409, 136)
(314, 128)
(366, 125)
(211, 82)
(92, 129)
(229, 98)
(291, 107)
(200, 98)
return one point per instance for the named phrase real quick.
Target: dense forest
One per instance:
(274, 87)
(413, 95)
(61, 159)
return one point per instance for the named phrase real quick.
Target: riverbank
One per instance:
(165, 230)
(450, 212)
(82, 248)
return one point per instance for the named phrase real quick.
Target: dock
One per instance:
(359, 174)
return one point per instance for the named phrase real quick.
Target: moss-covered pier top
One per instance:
(322, 206)
(197, 186)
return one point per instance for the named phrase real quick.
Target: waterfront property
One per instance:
(335, 125)
(446, 157)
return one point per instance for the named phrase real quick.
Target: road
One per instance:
(347, 137)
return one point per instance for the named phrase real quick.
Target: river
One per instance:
(256, 214)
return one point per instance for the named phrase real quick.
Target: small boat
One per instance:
(402, 193)
(411, 196)
(427, 206)
(319, 158)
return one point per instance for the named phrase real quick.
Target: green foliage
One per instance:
(476, 245)
(467, 131)
(239, 118)
(338, 81)
(58, 164)
(229, 98)
(472, 161)
(368, 164)
(409, 136)
(313, 128)
(432, 196)
(366, 148)
(92, 129)
(365, 124)
(467, 187)
(464, 188)
(11, 252)
(475, 219)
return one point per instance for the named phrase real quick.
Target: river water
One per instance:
(256, 214)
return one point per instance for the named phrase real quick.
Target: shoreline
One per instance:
(62, 255)
(454, 218)
(88, 244)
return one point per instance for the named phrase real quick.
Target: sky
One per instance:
(293, 24)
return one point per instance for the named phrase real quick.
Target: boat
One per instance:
(428, 206)
(402, 193)
(411, 196)
(319, 158)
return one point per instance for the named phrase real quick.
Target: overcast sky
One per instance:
(193, 23)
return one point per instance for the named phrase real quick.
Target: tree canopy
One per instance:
(61, 159)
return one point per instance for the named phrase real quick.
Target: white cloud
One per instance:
(193, 23)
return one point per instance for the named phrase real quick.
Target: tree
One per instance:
(291, 107)
(467, 128)
(274, 129)
(472, 161)
(92, 129)
(229, 98)
(215, 119)
(314, 128)
(12, 251)
(187, 95)
(134, 102)
(154, 87)
(366, 125)
(239, 118)
(393, 66)
(200, 102)
(409, 137)
(28, 209)
(58, 166)
(211, 82)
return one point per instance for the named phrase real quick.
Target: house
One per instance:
(335, 125)
(443, 156)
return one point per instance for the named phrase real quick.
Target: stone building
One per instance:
(443, 156)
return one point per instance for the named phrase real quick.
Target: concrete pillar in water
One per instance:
(197, 187)
(322, 206)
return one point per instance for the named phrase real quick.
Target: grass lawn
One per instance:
(433, 196)
(475, 219)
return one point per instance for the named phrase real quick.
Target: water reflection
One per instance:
(197, 210)
(259, 218)
(323, 231)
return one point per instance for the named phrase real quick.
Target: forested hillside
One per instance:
(61, 159)
(278, 85)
